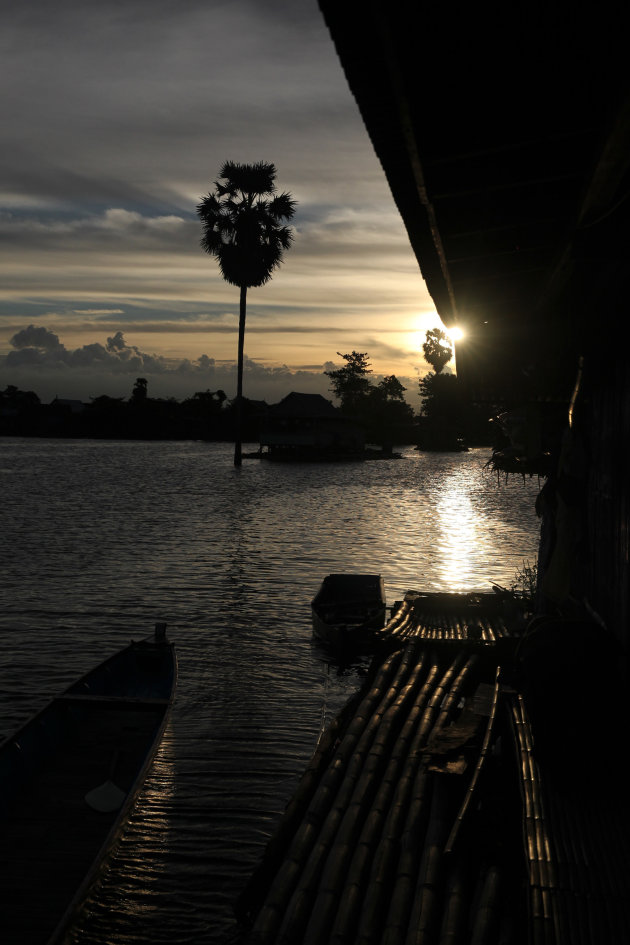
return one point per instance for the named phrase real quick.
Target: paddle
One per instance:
(107, 797)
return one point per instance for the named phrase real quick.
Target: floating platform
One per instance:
(425, 815)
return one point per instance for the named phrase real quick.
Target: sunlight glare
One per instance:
(424, 322)
(458, 526)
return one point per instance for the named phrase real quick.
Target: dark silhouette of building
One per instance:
(307, 426)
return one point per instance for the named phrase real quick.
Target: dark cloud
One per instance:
(41, 339)
(38, 346)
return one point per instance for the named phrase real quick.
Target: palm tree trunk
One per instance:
(239, 379)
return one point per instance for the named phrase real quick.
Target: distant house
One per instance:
(72, 406)
(307, 426)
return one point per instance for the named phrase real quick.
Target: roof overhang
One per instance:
(505, 138)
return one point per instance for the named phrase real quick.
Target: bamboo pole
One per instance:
(545, 919)
(406, 821)
(423, 918)
(456, 906)
(395, 865)
(392, 878)
(474, 782)
(394, 625)
(453, 691)
(372, 787)
(299, 906)
(278, 885)
(486, 918)
(385, 818)
(298, 812)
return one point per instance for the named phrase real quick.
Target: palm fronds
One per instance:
(244, 223)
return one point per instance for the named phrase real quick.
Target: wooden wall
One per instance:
(607, 547)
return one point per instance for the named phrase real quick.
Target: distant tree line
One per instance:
(381, 409)
(206, 415)
(446, 419)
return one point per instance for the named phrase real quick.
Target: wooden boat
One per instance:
(347, 608)
(69, 777)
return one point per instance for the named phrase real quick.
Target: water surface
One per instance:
(101, 539)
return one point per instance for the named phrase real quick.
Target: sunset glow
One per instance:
(102, 275)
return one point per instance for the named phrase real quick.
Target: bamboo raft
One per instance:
(477, 617)
(424, 816)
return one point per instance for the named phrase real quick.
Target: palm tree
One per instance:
(243, 228)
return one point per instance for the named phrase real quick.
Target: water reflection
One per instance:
(167, 531)
(460, 533)
(139, 865)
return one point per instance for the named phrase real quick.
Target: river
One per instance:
(101, 539)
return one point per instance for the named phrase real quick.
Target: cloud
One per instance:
(101, 312)
(116, 228)
(40, 361)
(38, 338)
(38, 346)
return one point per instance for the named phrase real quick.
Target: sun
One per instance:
(423, 323)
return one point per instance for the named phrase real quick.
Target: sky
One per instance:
(116, 119)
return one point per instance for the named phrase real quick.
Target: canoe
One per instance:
(68, 780)
(348, 608)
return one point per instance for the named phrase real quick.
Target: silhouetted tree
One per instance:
(442, 415)
(140, 390)
(106, 416)
(449, 416)
(381, 409)
(443, 399)
(437, 349)
(391, 388)
(13, 398)
(243, 228)
(386, 415)
(204, 400)
(20, 411)
(201, 413)
(351, 383)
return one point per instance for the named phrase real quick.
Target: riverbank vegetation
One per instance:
(446, 419)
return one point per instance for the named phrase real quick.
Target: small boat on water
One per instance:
(68, 780)
(347, 608)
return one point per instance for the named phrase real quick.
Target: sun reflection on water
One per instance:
(458, 537)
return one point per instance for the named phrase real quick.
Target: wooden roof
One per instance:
(505, 138)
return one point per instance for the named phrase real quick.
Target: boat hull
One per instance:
(348, 609)
(106, 727)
